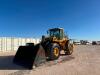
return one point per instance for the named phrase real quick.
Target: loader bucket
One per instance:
(27, 56)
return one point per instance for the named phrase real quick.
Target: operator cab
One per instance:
(56, 32)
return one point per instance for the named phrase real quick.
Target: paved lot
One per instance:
(84, 61)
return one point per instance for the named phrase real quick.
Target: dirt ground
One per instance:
(85, 60)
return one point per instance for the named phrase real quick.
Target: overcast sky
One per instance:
(32, 18)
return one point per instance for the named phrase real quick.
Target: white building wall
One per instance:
(12, 43)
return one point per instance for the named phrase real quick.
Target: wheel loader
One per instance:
(52, 44)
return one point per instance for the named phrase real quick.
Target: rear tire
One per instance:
(53, 51)
(69, 49)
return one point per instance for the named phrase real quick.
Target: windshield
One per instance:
(58, 33)
(54, 33)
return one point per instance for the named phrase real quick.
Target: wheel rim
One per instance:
(56, 52)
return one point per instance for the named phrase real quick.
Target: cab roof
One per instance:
(56, 29)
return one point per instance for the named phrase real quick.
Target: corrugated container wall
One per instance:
(12, 43)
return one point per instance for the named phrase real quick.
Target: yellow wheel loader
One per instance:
(51, 47)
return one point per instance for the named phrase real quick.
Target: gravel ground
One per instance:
(85, 60)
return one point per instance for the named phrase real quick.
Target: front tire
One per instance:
(53, 51)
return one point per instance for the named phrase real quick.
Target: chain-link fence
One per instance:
(12, 43)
